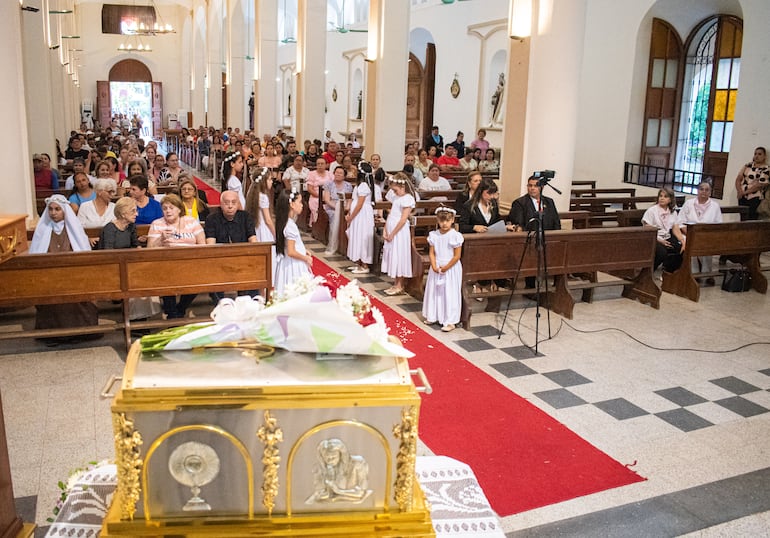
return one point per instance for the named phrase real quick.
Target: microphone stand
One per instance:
(542, 258)
(542, 267)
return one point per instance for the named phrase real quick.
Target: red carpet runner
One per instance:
(522, 457)
(212, 195)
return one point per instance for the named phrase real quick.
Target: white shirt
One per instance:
(428, 184)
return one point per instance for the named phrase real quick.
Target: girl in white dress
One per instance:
(444, 287)
(360, 221)
(258, 206)
(232, 165)
(293, 260)
(397, 250)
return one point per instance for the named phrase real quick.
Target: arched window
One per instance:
(691, 92)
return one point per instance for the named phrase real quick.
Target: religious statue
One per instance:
(339, 476)
(497, 100)
(360, 100)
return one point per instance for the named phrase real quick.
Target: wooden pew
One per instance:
(599, 206)
(741, 242)
(629, 252)
(590, 183)
(450, 196)
(33, 279)
(633, 217)
(593, 192)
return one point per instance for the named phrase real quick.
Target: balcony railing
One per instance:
(683, 181)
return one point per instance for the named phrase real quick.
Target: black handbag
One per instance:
(737, 280)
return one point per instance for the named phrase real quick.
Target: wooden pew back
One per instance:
(742, 242)
(613, 250)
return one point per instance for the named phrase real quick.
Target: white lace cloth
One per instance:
(458, 506)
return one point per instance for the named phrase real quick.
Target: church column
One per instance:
(18, 194)
(198, 64)
(37, 81)
(311, 61)
(265, 66)
(550, 126)
(386, 81)
(214, 24)
(240, 67)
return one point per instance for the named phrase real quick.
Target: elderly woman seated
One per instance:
(59, 230)
(99, 211)
(175, 229)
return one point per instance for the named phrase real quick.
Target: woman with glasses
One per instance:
(98, 212)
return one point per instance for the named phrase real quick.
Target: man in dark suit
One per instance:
(435, 139)
(524, 213)
(524, 210)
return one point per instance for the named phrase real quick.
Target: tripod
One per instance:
(535, 228)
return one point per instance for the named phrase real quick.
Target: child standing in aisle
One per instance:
(397, 250)
(360, 221)
(258, 206)
(293, 260)
(444, 287)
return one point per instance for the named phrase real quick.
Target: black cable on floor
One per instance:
(649, 346)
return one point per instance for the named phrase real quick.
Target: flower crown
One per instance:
(445, 209)
(362, 171)
(261, 174)
(293, 195)
(400, 181)
(230, 157)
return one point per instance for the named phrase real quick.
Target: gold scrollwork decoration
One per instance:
(406, 433)
(270, 434)
(129, 463)
(8, 245)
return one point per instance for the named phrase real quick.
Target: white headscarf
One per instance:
(42, 238)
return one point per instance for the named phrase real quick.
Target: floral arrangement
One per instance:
(309, 316)
(72, 481)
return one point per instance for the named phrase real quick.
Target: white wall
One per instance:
(165, 61)
(614, 75)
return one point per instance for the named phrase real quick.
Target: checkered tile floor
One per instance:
(687, 408)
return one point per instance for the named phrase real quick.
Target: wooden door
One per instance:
(157, 109)
(103, 103)
(664, 81)
(414, 100)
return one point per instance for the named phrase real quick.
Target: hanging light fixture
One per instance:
(158, 28)
(134, 43)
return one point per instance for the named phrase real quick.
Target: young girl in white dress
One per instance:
(258, 206)
(293, 260)
(397, 250)
(360, 220)
(444, 287)
(232, 165)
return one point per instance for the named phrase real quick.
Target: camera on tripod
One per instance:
(544, 175)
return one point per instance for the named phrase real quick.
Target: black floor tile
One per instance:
(521, 353)
(410, 307)
(513, 369)
(741, 406)
(367, 279)
(734, 385)
(560, 398)
(484, 331)
(673, 514)
(621, 409)
(474, 344)
(684, 420)
(766, 371)
(681, 396)
(567, 378)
